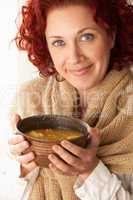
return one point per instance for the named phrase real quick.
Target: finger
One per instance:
(54, 168)
(19, 148)
(16, 118)
(25, 159)
(60, 164)
(66, 156)
(95, 137)
(73, 148)
(16, 139)
(30, 166)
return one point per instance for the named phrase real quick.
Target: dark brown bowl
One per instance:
(41, 147)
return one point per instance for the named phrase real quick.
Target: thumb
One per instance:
(14, 120)
(94, 137)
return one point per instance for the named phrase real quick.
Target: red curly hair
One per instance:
(117, 14)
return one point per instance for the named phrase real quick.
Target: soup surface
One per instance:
(54, 134)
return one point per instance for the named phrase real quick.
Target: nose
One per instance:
(75, 55)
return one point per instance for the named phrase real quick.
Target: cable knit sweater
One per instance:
(110, 108)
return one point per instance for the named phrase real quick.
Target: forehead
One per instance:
(70, 18)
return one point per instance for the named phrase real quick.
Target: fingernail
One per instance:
(32, 154)
(26, 144)
(64, 142)
(89, 128)
(55, 147)
(50, 156)
(50, 165)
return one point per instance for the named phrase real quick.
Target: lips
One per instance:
(81, 71)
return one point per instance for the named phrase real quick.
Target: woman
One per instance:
(83, 51)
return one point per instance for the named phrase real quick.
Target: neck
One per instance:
(82, 96)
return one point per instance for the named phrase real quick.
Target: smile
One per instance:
(81, 72)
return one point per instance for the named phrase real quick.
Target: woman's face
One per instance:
(79, 47)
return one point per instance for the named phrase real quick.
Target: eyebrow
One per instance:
(80, 31)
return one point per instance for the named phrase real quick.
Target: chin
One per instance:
(83, 87)
(83, 84)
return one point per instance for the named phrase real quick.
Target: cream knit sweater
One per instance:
(110, 108)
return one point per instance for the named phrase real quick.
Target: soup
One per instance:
(54, 134)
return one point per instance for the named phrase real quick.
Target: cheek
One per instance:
(101, 53)
(56, 56)
(58, 62)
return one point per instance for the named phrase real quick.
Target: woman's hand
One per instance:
(17, 145)
(74, 160)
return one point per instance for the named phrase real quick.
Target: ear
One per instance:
(112, 39)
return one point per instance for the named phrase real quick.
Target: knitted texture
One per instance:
(110, 108)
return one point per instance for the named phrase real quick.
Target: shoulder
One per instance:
(125, 96)
(34, 85)
(128, 87)
(28, 98)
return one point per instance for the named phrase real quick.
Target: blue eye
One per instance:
(87, 37)
(58, 43)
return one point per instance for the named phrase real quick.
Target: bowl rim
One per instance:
(51, 115)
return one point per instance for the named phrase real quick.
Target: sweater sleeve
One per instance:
(26, 102)
(100, 185)
(11, 186)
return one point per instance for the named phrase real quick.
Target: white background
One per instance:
(14, 69)
(14, 65)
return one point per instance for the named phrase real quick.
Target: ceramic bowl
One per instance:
(42, 147)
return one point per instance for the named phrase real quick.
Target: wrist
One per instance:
(85, 175)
